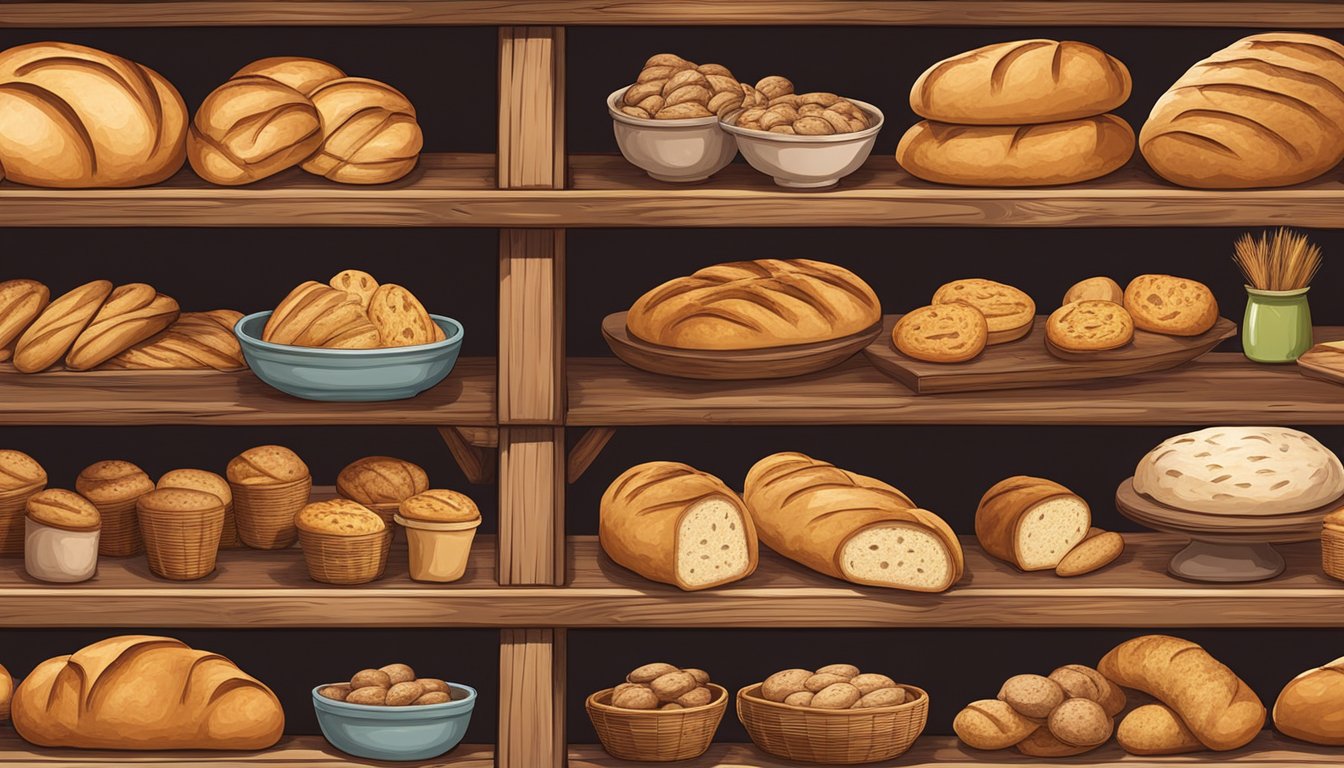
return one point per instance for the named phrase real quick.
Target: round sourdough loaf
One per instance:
(381, 480)
(370, 132)
(63, 509)
(266, 465)
(1241, 471)
(252, 127)
(439, 505)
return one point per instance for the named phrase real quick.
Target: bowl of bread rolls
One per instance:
(390, 713)
(350, 340)
(803, 140)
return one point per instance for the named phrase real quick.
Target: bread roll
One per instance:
(1089, 325)
(400, 318)
(1021, 83)
(20, 473)
(302, 74)
(381, 480)
(266, 465)
(140, 692)
(992, 724)
(1154, 729)
(21, 301)
(131, 314)
(1171, 305)
(1031, 522)
(370, 135)
(1043, 743)
(674, 524)
(1008, 311)
(67, 510)
(849, 526)
(439, 505)
(755, 305)
(50, 336)
(249, 128)
(6, 692)
(108, 483)
(73, 116)
(1218, 708)
(1094, 288)
(1083, 682)
(1008, 156)
(341, 517)
(1241, 471)
(317, 315)
(198, 340)
(1311, 706)
(941, 333)
(1266, 111)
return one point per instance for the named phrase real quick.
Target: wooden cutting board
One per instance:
(1028, 363)
(1324, 362)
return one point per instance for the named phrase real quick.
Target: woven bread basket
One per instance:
(13, 509)
(121, 529)
(179, 545)
(264, 514)
(833, 736)
(656, 735)
(337, 559)
(1332, 552)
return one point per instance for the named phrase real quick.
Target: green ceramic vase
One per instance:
(1277, 326)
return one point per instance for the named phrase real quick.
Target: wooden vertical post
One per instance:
(531, 699)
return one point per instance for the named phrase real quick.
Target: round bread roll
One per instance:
(1099, 288)
(381, 480)
(266, 465)
(439, 505)
(75, 117)
(370, 134)
(112, 482)
(340, 517)
(252, 127)
(197, 480)
(63, 509)
(20, 473)
(302, 74)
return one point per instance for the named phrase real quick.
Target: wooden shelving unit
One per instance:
(291, 752)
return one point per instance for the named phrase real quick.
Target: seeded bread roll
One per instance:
(849, 526)
(1031, 522)
(340, 517)
(51, 334)
(131, 314)
(197, 341)
(21, 301)
(1020, 83)
(674, 524)
(1311, 706)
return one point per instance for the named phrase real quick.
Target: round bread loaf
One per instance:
(73, 117)
(1249, 471)
(340, 517)
(21, 301)
(1309, 707)
(20, 473)
(197, 480)
(1154, 729)
(370, 132)
(440, 505)
(252, 127)
(63, 509)
(179, 500)
(112, 482)
(1090, 325)
(302, 74)
(381, 480)
(266, 465)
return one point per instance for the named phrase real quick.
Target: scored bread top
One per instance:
(179, 500)
(20, 473)
(21, 301)
(341, 517)
(197, 480)
(52, 333)
(317, 315)
(755, 305)
(131, 314)
(440, 505)
(63, 509)
(196, 340)
(1003, 306)
(300, 73)
(381, 480)
(266, 465)
(110, 482)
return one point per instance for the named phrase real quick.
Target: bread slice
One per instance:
(712, 544)
(1031, 522)
(900, 555)
(1049, 531)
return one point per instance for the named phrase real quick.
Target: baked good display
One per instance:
(440, 526)
(182, 530)
(817, 113)
(21, 476)
(208, 482)
(1090, 325)
(55, 330)
(252, 127)
(1172, 305)
(1031, 522)
(1008, 311)
(849, 526)
(1099, 288)
(674, 524)
(1020, 82)
(131, 314)
(114, 487)
(140, 692)
(196, 341)
(320, 315)
(834, 686)
(369, 132)
(60, 536)
(343, 541)
(941, 333)
(671, 88)
(76, 117)
(1309, 706)
(1266, 111)
(270, 484)
(663, 686)
(21, 301)
(393, 685)
(1068, 713)
(1215, 705)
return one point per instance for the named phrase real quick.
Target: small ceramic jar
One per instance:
(61, 532)
(440, 526)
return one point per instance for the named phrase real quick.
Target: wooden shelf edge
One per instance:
(296, 751)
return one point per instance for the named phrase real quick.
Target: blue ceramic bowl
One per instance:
(349, 375)
(396, 733)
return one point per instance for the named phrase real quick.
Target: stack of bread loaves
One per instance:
(284, 111)
(1025, 113)
(1037, 524)
(352, 311)
(1068, 713)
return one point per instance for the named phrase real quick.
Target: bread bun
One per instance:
(381, 480)
(21, 301)
(131, 314)
(370, 134)
(266, 465)
(302, 74)
(252, 127)
(340, 517)
(439, 505)
(63, 509)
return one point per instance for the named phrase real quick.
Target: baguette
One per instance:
(51, 334)
(21, 301)
(1311, 705)
(1031, 522)
(849, 526)
(198, 340)
(131, 314)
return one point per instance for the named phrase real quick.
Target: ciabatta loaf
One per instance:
(755, 305)
(1031, 522)
(141, 692)
(849, 526)
(1241, 471)
(1311, 705)
(672, 523)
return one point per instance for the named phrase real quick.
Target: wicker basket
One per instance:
(1332, 552)
(657, 735)
(121, 529)
(179, 545)
(387, 512)
(833, 736)
(264, 514)
(13, 509)
(228, 539)
(336, 559)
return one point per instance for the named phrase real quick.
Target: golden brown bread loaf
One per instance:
(198, 340)
(849, 526)
(755, 305)
(252, 127)
(73, 116)
(20, 473)
(302, 74)
(140, 692)
(1218, 708)
(674, 524)
(439, 505)
(370, 134)
(1011, 156)
(1031, 522)
(338, 517)
(67, 510)
(1020, 83)
(401, 320)
(51, 334)
(266, 465)
(131, 314)
(1311, 706)
(1266, 111)
(317, 315)
(21, 301)
(381, 480)
(992, 724)
(112, 482)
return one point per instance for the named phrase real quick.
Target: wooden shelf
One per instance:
(169, 13)
(272, 589)
(139, 398)
(1270, 750)
(292, 752)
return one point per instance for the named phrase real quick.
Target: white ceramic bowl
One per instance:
(679, 151)
(807, 162)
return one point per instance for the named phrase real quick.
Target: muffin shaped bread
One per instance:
(941, 333)
(755, 305)
(55, 330)
(317, 315)
(381, 480)
(179, 500)
(267, 465)
(197, 480)
(1171, 305)
(339, 517)
(113, 482)
(63, 509)
(21, 301)
(1008, 311)
(20, 473)
(439, 505)
(1090, 325)
(302, 74)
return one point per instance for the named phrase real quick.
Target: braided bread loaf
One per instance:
(672, 88)
(807, 114)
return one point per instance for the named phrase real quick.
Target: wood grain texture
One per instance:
(531, 698)
(294, 751)
(138, 398)
(532, 507)
(476, 462)
(531, 107)
(586, 449)
(174, 13)
(531, 326)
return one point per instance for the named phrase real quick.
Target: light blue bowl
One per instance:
(349, 375)
(395, 733)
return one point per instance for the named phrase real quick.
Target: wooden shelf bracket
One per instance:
(585, 451)
(474, 451)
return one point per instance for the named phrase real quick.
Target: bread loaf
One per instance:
(1154, 729)
(849, 526)
(339, 517)
(140, 692)
(674, 524)
(439, 505)
(755, 305)
(1020, 83)
(317, 315)
(73, 116)
(370, 134)
(21, 301)
(381, 480)
(1218, 708)
(302, 74)
(1010, 156)
(400, 318)
(131, 314)
(266, 465)
(1031, 522)
(1171, 305)
(1241, 471)
(20, 473)
(198, 340)
(1008, 311)
(1311, 706)
(252, 127)
(992, 724)
(51, 334)
(6, 692)
(1266, 111)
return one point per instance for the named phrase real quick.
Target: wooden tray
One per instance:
(1028, 363)
(1324, 362)
(776, 363)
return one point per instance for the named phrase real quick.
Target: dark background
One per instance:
(449, 73)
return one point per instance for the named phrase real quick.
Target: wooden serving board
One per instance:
(1028, 363)
(730, 365)
(1324, 362)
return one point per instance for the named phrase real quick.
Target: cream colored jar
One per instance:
(58, 555)
(438, 551)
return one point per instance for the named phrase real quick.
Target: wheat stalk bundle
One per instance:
(1287, 261)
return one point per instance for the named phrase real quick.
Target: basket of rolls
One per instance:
(20, 478)
(270, 484)
(343, 542)
(836, 715)
(661, 713)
